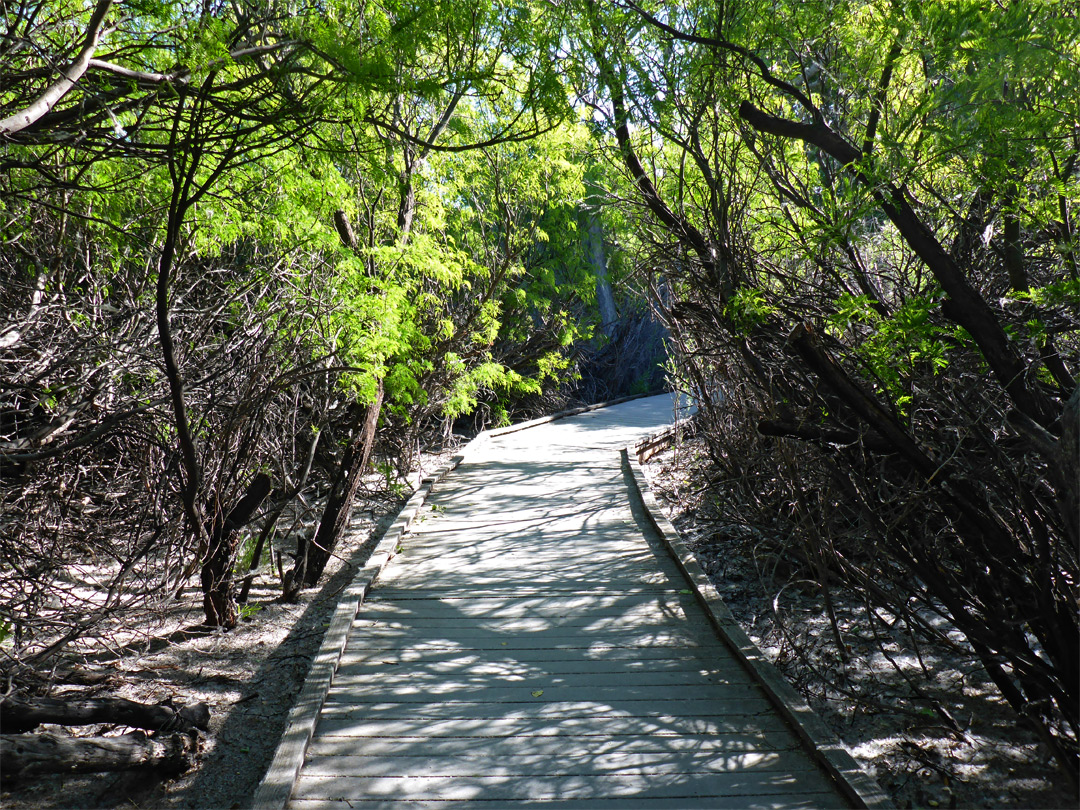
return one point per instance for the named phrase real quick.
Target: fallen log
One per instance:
(38, 682)
(19, 714)
(32, 754)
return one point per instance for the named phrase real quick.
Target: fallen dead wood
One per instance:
(31, 754)
(36, 681)
(18, 714)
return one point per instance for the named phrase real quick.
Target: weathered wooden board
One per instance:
(509, 589)
(358, 724)
(804, 801)
(615, 660)
(479, 638)
(532, 765)
(513, 788)
(675, 675)
(603, 603)
(463, 624)
(735, 742)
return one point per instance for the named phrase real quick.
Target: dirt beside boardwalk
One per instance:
(921, 719)
(249, 677)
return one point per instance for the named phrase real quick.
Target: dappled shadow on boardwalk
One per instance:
(615, 696)
(533, 643)
(536, 524)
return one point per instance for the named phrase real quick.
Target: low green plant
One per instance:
(390, 478)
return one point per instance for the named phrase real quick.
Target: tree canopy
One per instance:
(237, 239)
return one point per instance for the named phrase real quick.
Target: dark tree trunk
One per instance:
(219, 602)
(271, 521)
(312, 556)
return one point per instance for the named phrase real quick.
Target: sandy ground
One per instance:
(923, 720)
(250, 677)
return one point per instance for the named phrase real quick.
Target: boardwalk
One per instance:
(533, 644)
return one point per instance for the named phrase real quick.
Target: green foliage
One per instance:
(247, 552)
(747, 309)
(899, 347)
(391, 480)
(1060, 293)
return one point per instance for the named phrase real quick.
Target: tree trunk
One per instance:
(271, 521)
(219, 602)
(312, 556)
(30, 754)
(18, 715)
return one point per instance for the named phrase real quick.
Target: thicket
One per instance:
(857, 222)
(242, 246)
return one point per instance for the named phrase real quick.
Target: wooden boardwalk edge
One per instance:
(826, 748)
(276, 786)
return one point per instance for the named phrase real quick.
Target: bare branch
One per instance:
(68, 77)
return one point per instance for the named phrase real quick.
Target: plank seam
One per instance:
(827, 748)
(276, 787)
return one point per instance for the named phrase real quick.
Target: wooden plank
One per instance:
(593, 562)
(340, 706)
(468, 631)
(450, 574)
(529, 548)
(530, 764)
(524, 705)
(676, 674)
(445, 696)
(495, 583)
(358, 724)
(524, 620)
(635, 641)
(786, 801)
(495, 554)
(562, 747)
(515, 590)
(618, 657)
(606, 603)
(448, 621)
(512, 789)
(611, 570)
(447, 525)
(464, 627)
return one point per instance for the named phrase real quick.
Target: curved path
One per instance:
(533, 643)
